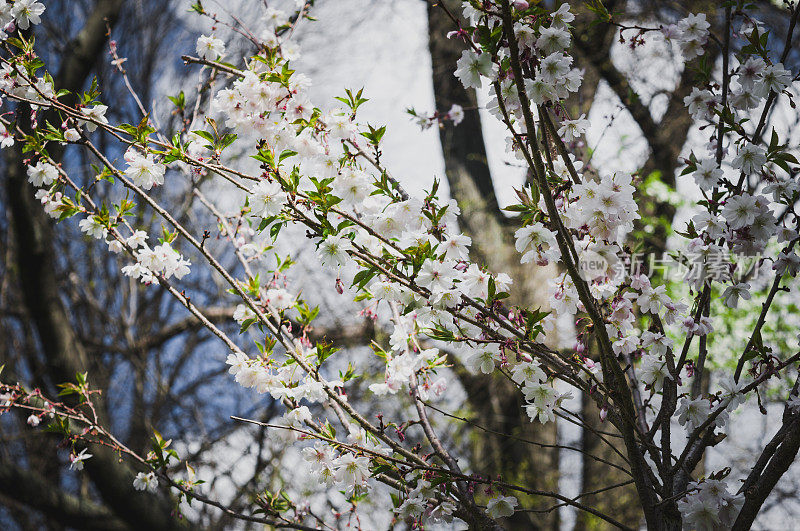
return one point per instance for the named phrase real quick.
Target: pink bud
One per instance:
(520, 4)
(603, 414)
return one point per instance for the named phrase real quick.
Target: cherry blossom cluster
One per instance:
(691, 34)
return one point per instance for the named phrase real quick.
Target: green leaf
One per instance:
(179, 101)
(204, 134)
(440, 334)
(247, 323)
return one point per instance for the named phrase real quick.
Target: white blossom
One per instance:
(693, 412)
(147, 482)
(143, 170)
(573, 129)
(210, 47)
(43, 174)
(471, 66)
(750, 158)
(267, 199)
(27, 12)
(76, 460)
(501, 507)
(456, 114)
(97, 113)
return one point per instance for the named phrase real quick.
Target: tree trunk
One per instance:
(495, 403)
(622, 502)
